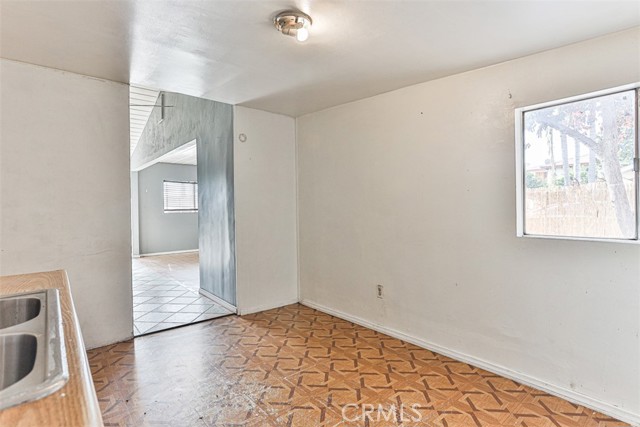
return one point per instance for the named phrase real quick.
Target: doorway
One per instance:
(165, 230)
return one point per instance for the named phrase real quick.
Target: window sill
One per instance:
(180, 212)
(583, 239)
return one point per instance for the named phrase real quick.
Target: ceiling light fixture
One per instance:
(293, 23)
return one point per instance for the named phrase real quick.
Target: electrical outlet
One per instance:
(379, 291)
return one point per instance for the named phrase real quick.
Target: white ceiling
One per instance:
(228, 50)
(141, 102)
(183, 155)
(186, 154)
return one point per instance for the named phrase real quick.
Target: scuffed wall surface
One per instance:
(265, 206)
(64, 190)
(210, 123)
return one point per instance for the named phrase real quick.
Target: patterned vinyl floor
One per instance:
(295, 366)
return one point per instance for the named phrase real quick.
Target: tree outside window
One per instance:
(578, 168)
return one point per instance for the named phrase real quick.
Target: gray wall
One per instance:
(160, 231)
(210, 123)
(135, 220)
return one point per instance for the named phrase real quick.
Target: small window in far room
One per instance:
(180, 196)
(577, 167)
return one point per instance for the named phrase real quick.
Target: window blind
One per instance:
(180, 196)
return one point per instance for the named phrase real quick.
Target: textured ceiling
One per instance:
(229, 51)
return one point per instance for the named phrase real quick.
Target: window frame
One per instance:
(172, 211)
(521, 169)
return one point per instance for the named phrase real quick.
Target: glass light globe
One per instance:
(302, 34)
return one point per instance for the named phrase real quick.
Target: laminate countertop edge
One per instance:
(75, 404)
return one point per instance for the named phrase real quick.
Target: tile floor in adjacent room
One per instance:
(295, 366)
(165, 293)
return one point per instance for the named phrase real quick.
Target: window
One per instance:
(180, 196)
(577, 167)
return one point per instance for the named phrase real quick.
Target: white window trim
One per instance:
(519, 138)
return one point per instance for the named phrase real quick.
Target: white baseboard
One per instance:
(218, 300)
(169, 253)
(570, 395)
(265, 307)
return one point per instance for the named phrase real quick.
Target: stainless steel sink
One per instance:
(18, 357)
(33, 361)
(18, 310)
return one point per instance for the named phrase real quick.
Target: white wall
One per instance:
(415, 189)
(265, 206)
(64, 189)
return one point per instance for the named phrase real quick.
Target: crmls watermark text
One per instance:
(353, 412)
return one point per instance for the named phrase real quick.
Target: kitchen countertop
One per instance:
(75, 404)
